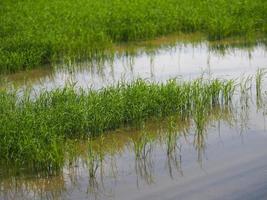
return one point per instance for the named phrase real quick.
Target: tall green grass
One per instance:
(36, 32)
(34, 129)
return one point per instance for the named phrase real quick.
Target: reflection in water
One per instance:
(174, 149)
(174, 160)
(22, 77)
(36, 188)
(142, 146)
(200, 146)
(144, 169)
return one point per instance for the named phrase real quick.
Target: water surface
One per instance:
(158, 63)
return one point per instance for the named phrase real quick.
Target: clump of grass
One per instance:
(38, 32)
(34, 129)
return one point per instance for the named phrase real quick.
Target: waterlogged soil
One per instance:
(164, 158)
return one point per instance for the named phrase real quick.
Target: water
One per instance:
(226, 161)
(160, 63)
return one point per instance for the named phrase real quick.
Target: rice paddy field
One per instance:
(35, 33)
(133, 99)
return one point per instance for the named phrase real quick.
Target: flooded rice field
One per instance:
(166, 158)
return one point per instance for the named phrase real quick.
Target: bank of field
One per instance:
(33, 33)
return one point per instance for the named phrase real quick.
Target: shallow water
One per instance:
(227, 160)
(157, 63)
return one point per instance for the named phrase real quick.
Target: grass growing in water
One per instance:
(37, 32)
(111, 146)
(34, 130)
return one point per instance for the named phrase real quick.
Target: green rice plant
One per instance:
(93, 154)
(34, 33)
(228, 92)
(35, 127)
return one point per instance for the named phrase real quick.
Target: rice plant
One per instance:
(96, 150)
(34, 129)
(33, 33)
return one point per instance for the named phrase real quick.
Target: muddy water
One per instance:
(158, 63)
(165, 158)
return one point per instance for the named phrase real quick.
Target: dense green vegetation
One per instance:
(34, 130)
(36, 32)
